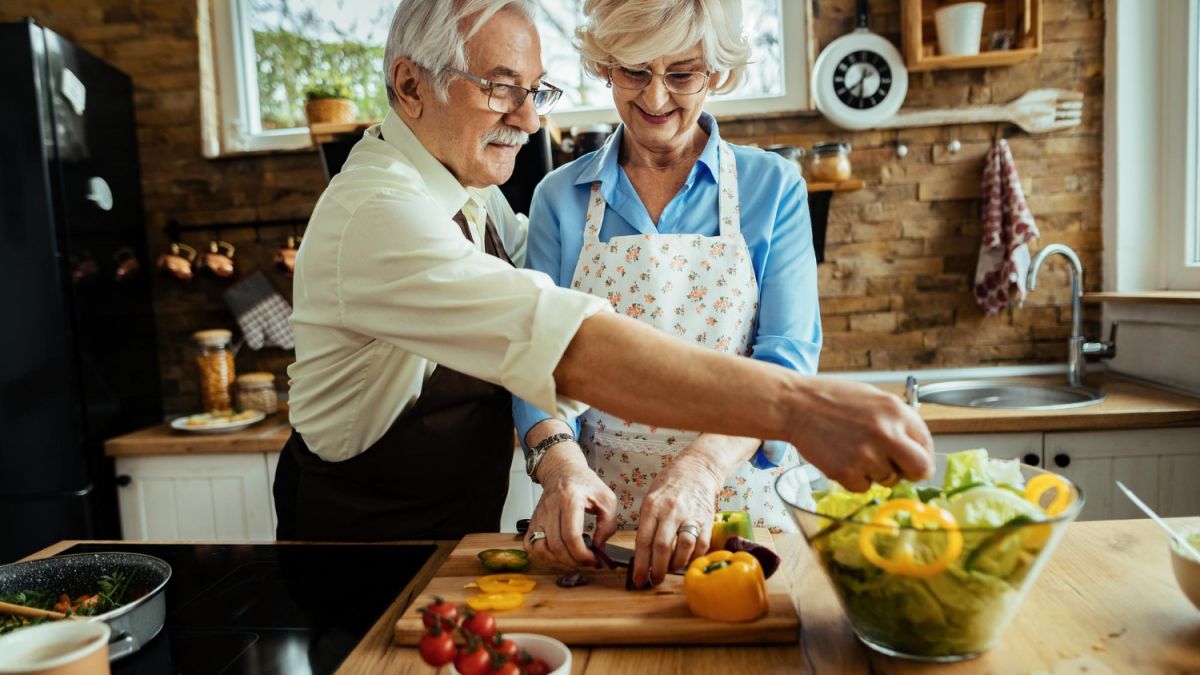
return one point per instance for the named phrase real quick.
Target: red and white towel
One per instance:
(1008, 228)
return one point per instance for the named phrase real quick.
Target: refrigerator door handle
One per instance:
(25, 498)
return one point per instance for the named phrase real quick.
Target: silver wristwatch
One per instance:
(537, 452)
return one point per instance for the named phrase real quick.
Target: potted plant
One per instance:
(329, 102)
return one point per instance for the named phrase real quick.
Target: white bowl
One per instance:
(1187, 572)
(554, 653)
(56, 648)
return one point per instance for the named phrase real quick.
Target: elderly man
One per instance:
(411, 322)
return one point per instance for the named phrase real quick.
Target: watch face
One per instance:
(862, 79)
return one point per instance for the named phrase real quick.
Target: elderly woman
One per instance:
(691, 234)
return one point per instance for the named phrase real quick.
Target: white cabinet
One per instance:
(523, 494)
(1161, 465)
(198, 497)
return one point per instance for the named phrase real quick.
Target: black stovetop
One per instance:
(288, 609)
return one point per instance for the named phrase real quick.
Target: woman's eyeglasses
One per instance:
(676, 82)
(506, 98)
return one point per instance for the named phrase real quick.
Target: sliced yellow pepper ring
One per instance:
(1044, 482)
(495, 602)
(903, 561)
(503, 583)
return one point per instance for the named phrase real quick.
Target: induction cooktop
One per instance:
(287, 609)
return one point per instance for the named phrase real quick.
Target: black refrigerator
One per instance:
(78, 359)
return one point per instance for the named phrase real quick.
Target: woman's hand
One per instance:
(681, 495)
(569, 490)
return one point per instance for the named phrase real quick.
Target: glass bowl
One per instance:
(1187, 568)
(945, 616)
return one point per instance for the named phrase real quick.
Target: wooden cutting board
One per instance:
(602, 612)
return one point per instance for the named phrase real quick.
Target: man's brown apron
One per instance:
(439, 472)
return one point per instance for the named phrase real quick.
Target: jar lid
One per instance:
(256, 378)
(831, 147)
(216, 337)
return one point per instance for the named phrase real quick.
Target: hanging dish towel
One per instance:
(1008, 228)
(262, 313)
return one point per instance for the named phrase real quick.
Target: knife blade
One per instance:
(624, 556)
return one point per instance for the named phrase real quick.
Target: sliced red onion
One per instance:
(572, 579)
(768, 559)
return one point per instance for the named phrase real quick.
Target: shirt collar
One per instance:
(442, 186)
(602, 166)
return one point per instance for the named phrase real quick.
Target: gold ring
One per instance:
(890, 480)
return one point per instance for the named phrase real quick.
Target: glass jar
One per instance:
(830, 162)
(791, 153)
(256, 391)
(214, 362)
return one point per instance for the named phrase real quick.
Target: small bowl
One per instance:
(554, 653)
(1187, 572)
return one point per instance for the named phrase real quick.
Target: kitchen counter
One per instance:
(1129, 405)
(1107, 602)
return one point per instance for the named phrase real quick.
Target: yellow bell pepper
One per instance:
(724, 586)
(728, 524)
(902, 561)
(1043, 483)
(501, 583)
(496, 602)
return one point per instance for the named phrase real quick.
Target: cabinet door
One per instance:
(1026, 447)
(523, 494)
(222, 497)
(1160, 465)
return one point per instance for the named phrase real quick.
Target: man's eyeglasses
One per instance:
(680, 82)
(506, 98)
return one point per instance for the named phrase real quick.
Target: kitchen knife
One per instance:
(624, 556)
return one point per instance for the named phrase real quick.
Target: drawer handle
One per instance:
(1062, 460)
(123, 480)
(1032, 459)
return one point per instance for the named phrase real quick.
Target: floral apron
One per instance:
(694, 287)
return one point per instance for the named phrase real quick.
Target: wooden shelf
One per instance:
(842, 186)
(1147, 297)
(919, 34)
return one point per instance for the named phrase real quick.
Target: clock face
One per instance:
(862, 79)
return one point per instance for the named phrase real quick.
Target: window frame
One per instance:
(238, 130)
(1151, 209)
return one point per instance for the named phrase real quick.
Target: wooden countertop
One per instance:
(1130, 405)
(268, 435)
(1107, 602)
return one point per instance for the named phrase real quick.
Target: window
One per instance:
(1181, 148)
(268, 52)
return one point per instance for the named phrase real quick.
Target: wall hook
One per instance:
(953, 146)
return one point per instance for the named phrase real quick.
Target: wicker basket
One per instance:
(330, 110)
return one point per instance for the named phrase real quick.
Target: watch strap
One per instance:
(538, 451)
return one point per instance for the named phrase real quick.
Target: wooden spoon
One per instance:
(34, 612)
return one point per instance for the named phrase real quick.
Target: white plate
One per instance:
(181, 424)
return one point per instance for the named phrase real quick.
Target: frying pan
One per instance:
(133, 624)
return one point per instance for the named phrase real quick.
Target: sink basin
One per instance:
(1012, 395)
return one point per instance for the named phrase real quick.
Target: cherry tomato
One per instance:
(535, 667)
(504, 668)
(473, 662)
(481, 624)
(506, 648)
(439, 608)
(437, 647)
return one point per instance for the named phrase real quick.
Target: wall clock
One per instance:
(859, 80)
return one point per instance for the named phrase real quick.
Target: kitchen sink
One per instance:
(1013, 395)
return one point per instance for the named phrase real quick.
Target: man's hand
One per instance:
(857, 434)
(570, 489)
(682, 494)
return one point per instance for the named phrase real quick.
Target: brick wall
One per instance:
(900, 253)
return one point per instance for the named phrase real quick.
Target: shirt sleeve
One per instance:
(408, 277)
(789, 317)
(544, 254)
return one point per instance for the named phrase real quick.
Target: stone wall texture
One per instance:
(900, 254)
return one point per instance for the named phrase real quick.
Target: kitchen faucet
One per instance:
(1077, 348)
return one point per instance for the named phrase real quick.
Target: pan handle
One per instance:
(121, 645)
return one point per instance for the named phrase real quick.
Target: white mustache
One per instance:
(505, 135)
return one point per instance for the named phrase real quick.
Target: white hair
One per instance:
(634, 32)
(433, 34)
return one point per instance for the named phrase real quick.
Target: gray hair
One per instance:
(633, 33)
(433, 34)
